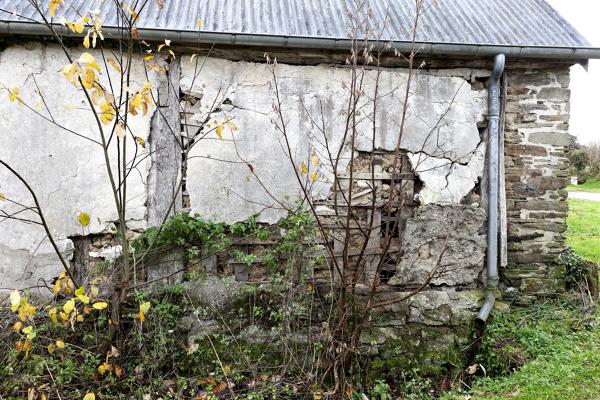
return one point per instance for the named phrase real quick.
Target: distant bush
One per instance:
(585, 161)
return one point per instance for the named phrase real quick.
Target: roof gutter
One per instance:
(244, 39)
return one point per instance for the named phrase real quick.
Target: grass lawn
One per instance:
(583, 234)
(591, 185)
(560, 346)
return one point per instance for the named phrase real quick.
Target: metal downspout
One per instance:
(493, 181)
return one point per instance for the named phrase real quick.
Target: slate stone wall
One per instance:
(537, 140)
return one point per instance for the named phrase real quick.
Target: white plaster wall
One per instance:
(441, 126)
(67, 173)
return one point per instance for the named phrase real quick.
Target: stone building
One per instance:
(445, 140)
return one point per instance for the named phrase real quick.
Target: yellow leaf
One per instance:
(68, 286)
(219, 131)
(26, 310)
(148, 58)
(94, 291)
(27, 329)
(84, 220)
(101, 305)
(167, 42)
(86, 40)
(192, 57)
(145, 307)
(51, 348)
(200, 23)
(70, 72)
(18, 326)
(54, 5)
(232, 127)
(314, 160)
(60, 344)
(69, 306)
(80, 318)
(79, 25)
(31, 335)
(172, 54)
(86, 58)
(64, 316)
(13, 95)
(141, 316)
(52, 314)
(56, 287)
(89, 396)
(303, 168)
(104, 368)
(160, 47)
(88, 78)
(2, 197)
(141, 141)
(79, 291)
(83, 298)
(114, 64)
(134, 103)
(313, 176)
(15, 300)
(106, 113)
(27, 346)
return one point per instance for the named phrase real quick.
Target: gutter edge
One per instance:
(576, 54)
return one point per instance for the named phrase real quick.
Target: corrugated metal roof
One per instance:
(484, 22)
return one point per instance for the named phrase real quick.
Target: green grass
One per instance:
(552, 348)
(583, 234)
(557, 346)
(591, 185)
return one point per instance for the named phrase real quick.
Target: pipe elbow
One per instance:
(499, 62)
(492, 282)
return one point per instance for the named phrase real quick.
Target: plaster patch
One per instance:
(446, 181)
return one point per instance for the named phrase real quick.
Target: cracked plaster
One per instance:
(67, 173)
(441, 122)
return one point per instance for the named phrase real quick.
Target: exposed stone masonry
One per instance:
(536, 142)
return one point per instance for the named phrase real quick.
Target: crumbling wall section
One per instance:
(537, 140)
(443, 147)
